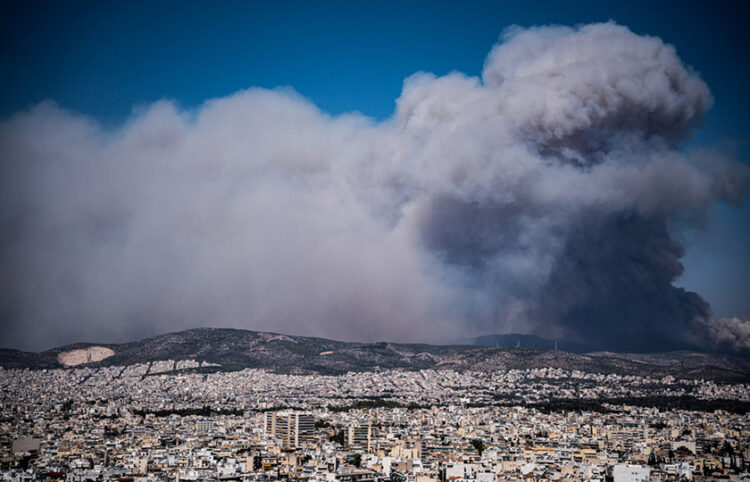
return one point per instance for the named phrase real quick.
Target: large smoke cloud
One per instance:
(538, 198)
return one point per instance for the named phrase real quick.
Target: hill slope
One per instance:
(236, 349)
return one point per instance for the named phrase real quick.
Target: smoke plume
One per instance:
(539, 198)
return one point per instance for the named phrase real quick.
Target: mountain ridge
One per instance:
(234, 349)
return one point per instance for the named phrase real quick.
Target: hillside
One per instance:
(233, 349)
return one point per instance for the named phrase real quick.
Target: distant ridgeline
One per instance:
(215, 349)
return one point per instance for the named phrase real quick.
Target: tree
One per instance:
(339, 438)
(727, 450)
(478, 446)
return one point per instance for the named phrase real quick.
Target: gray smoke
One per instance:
(540, 198)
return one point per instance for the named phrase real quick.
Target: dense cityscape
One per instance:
(184, 420)
(373, 241)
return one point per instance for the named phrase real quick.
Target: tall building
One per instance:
(269, 423)
(294, 429)
(360, 435)
(204, 425)
(304, 428)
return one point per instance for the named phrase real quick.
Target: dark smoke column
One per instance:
(554, 184)
(613, 286)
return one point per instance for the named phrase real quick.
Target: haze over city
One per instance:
(425, 172)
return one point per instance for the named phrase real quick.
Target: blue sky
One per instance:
(104, 59)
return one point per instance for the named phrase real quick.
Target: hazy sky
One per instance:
(98, 180)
